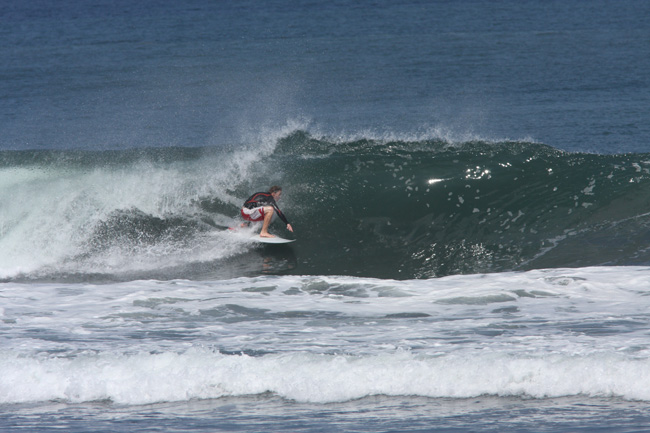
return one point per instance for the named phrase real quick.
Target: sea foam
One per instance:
(202, 374)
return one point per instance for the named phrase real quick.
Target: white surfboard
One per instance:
(275, 240)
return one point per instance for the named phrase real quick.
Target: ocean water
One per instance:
(468, 183)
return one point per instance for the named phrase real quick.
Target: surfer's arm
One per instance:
(281, 215)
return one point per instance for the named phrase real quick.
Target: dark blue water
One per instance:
(363, 83)
(572, 75)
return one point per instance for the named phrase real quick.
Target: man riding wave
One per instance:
(261, 206)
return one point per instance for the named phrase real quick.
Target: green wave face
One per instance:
(378, 208)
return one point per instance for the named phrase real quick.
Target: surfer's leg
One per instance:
(268, 214)
(254, 215)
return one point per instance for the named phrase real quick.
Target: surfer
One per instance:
(261, 206)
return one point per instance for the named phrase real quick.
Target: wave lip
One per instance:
(202, 374)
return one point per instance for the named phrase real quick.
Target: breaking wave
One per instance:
(389, 208)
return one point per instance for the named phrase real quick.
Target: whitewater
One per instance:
(538, 334)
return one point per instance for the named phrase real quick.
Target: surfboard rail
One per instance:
(276, 240)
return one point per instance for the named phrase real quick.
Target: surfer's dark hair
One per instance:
(274, 188)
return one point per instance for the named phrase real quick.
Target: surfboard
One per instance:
(276, 240)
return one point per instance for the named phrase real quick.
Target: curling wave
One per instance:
(367, 207)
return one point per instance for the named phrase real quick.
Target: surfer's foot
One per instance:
(266, 235)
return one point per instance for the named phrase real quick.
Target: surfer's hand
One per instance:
(290, 228)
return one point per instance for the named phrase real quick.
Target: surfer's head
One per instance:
(275, 191)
